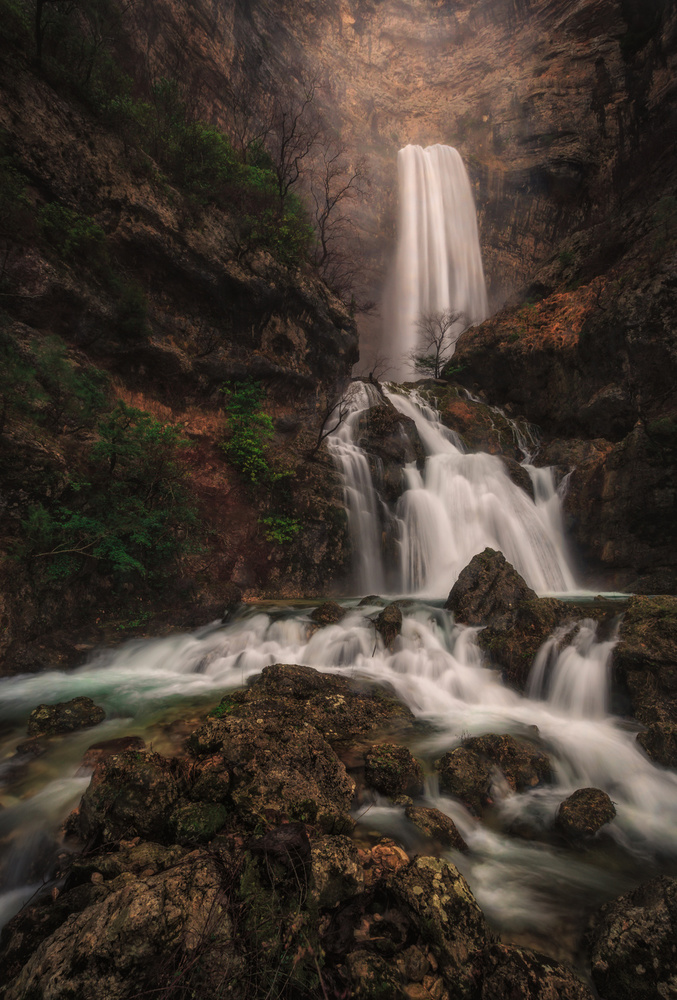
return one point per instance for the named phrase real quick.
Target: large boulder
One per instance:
(389, 624)
(645, 664)
(340, 708)
(487, 588)
(468, 772)
(391, 441)
(64, 717)
(135, 936)
(516, 974)
(584, 813)
(513, 639)
(278, 772)
(632, 943)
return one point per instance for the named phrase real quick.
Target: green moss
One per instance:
(198, 821)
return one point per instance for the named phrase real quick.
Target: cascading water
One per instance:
(435, 668)
(456, 506)
(438, 264)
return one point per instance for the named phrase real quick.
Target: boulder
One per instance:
(518, 974)
(645, 664)
(584, 813)
(438, 902)
(278, 772)
(131, 795)
(392, 770)
(519, 475)
(337, 872)
(197, 822)
(435, 825)
(389, 624)
(340, 708)
(513, 639)
(632, 943)
(108, 748)
(391, 440)
(64, 717)
(328, 613)
(487, 588)
(134, 936)
(467, 772)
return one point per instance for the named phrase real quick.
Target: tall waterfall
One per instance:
(438, 265)
(454, 507)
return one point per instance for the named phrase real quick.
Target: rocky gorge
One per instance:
(380, 796)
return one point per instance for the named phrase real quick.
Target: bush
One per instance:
(73, 397)
(75, 237)
(131, 517)
(250, 430)
(130, 314)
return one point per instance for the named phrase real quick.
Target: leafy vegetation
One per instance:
(130, 516)
(251, 429)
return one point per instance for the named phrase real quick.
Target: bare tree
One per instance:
(296, 132)
(339, 406)
(438, 333)
(248, 116)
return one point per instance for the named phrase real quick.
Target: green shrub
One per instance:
(130, 314)
(250, 430)
(73, 397)
(280, 529)
(75, 237)
(131, 517)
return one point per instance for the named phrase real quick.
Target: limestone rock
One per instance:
(487, 588)
(392, 770)
(584, 813)
(632, 943)
(64, 717)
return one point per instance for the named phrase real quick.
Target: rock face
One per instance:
(513, 640)
(645, 663)
(64, 717)
(584, 813)
(487, 588)
(632, 943)
(390, 440)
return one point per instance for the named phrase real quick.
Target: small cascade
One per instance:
(361, 499)
(438, 264)
(456, 506)
(574, 678)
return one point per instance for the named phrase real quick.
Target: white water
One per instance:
(438, 263)
(436, 669)
(457, 506)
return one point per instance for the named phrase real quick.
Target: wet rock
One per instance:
(372, 600)
(632, 943)
(337, 872)
(130, 795)
(437, 826)
(513, 640)
(340, 708)
(133, 936)
(383, 859)
(518, 974)
(645, 664)
(277, 772)
(392, 770)
(468, 771)
(108, 748)
(437, 900)
(519, 475)
(328, 613)
(64, 717)
(584, 813)
(389, 624)
(391, 441)
(487, 588)
(30, 749)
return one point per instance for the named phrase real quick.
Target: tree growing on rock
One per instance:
(438, 332)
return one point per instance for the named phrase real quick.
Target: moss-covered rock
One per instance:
(584, 813)
(64, 717)
(632, 943)
(393, 770)
(328, 613)
(197, 822)
(337, 872)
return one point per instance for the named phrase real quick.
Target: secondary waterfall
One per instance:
(438, 264)
(454, 507)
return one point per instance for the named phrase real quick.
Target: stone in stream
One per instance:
(389, 624)
(468, 771)
(632, 943)
(437, 826)
(392, 770)
(328, 613)
(64, 717)
(487, 588)
(584, 813)
(107, 748)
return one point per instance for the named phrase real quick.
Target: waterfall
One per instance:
(456, 506)
(438, 264)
